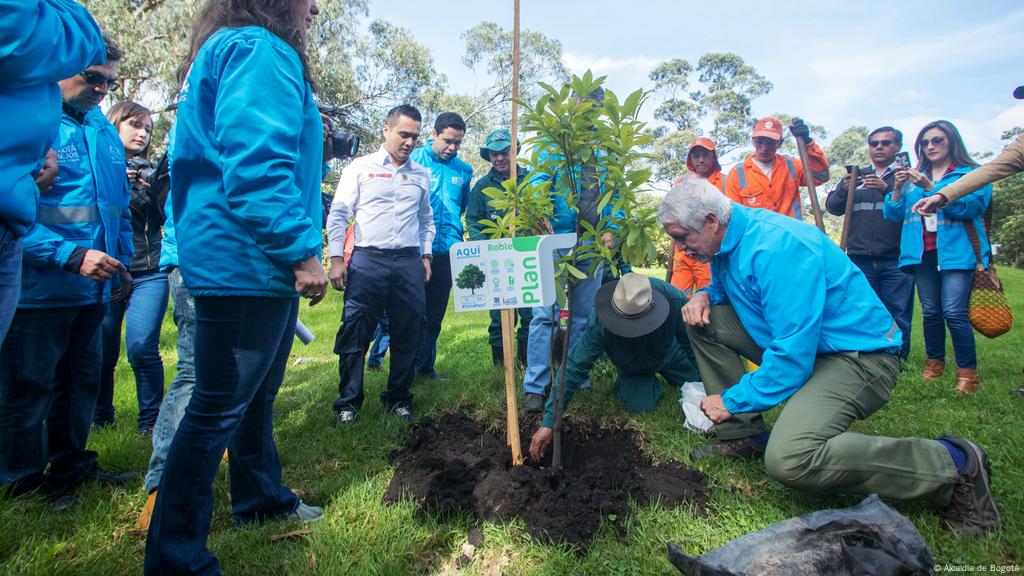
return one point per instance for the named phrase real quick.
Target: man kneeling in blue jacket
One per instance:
(785, 296)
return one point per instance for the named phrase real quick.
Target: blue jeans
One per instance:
(438, 291)
(144, 312)
(241, 353)
(10, 277)
(538, 354)
(49, 376)
(378, 282)
(381, 339)
(172, 409)
(944, 295)
(895, 288)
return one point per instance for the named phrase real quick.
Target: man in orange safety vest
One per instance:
(771, 180)
(686, 273)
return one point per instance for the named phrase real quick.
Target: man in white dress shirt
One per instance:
(387, 197)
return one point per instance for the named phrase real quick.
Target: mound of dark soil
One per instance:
(454, 466)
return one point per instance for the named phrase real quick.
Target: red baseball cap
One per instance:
(769, 128)
(707, 144)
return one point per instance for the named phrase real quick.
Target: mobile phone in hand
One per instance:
(902, 160)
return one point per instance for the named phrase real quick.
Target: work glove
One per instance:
(800, 130)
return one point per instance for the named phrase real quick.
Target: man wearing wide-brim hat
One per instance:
(637, 322)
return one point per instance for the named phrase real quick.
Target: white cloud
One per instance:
(980, 134)
(581, 62)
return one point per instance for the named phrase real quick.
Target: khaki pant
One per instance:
(810, 447)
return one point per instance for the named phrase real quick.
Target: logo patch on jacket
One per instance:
(68, 154)
(458, 180)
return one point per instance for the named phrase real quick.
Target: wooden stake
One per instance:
(849, 206)
(801, 148)
(508, 314)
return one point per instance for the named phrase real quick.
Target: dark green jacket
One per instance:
(478, 206)
(665, 351)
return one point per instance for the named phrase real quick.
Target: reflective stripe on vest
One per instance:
(67, 214)
(865, 206)
(743, 177)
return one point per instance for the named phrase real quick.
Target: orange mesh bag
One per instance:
(987, 308)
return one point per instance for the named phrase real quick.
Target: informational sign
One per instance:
(507, 273)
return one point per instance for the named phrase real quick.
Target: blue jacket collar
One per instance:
(733, 234)
(433, 155)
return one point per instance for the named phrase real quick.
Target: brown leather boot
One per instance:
(933, 369)
(967, 380)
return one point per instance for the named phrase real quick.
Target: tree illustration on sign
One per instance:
(471, 277)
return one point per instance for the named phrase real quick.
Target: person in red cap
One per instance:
(686, 273)
(771, 180)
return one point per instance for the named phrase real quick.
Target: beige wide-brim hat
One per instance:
(629, 307)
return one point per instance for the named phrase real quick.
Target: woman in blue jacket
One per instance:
(245, 191)
(937, 249)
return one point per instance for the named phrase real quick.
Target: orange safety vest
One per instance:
(749, 186)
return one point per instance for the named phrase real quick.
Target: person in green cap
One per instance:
(637, 321)
(496, 151)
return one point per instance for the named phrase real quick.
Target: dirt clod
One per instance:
(454, 465)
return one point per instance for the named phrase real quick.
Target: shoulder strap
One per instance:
(972, 235)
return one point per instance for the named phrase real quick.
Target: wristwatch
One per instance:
(945, 199)
(428, 257)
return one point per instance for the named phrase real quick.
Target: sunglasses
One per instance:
(96, 79)
(877, 143)
(936, 141)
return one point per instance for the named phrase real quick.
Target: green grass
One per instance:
(347, 470)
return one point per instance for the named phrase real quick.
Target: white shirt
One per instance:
(765, 167)
(391, 205)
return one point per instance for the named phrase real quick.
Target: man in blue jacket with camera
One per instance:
(75, 260)
(41, 42)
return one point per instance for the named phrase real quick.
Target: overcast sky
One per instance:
(835, 63)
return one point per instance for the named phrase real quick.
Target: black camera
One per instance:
(344, 144)
(145, 169)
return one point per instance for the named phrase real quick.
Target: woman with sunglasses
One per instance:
(937, 250)
(148, 302)
(245, 166)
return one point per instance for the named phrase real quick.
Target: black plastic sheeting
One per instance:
(868, 539)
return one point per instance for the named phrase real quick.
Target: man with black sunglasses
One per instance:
(75, 261)
(874, 242)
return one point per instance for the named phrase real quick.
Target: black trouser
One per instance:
(438, 290)
(380, 280)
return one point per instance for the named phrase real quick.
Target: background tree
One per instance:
(470, 278)
(487, 56)
(1008, 213)
(722, 96)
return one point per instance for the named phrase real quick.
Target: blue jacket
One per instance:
(563, 219)
(87, 207)
(449, 192)
(954, 246)
(797, 295)
(245, 167)
(41, 42)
